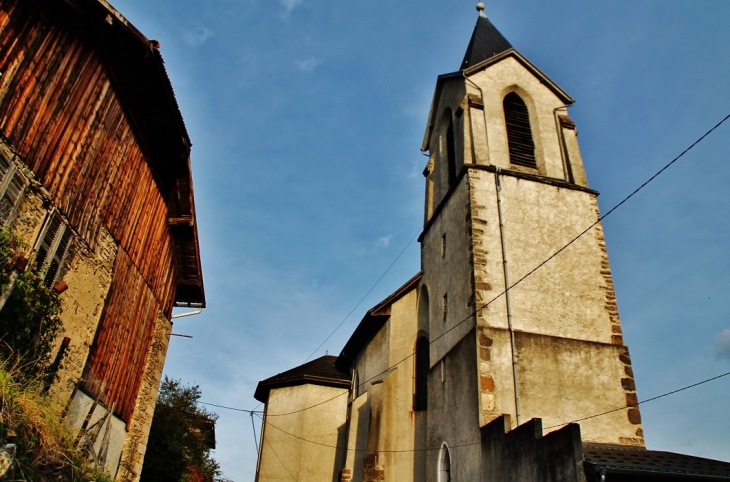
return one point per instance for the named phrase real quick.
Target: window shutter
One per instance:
(12, 187)
(519, 133)
(53, 248)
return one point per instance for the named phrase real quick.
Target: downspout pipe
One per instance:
(567, 171)
(498, 185)
(484, 114)
(189, 313)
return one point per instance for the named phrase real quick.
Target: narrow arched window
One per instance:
(519, 133)
(451, 153)
(420, 395)
(444, 474)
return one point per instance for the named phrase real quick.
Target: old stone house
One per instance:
(453, 377)
(95, 178)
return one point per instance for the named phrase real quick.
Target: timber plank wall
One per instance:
(62, 115)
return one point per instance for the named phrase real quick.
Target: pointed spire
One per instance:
(485, 43)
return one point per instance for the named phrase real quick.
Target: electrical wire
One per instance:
(362, 299)
(479, 443)
(230, 408)
(528, 274)
(543, 263)
(643, 401)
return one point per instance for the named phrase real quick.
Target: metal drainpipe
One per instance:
(567, 171)
(507, 297)
(262, 440)
(484, 114)
(189, 313)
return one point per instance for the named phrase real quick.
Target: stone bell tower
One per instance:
(505, 191)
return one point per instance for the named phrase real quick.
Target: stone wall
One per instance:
(135, 445)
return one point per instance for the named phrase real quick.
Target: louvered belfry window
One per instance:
(519, 134)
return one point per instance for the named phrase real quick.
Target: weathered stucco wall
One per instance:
(579, 371)
(384, 429)
(284, 456)
(496, 81)
(453, 412)
(447, 272)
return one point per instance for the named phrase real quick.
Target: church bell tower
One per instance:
(505, 191)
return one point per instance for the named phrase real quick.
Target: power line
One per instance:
(551, 257)
(230, 408)
(363, 299)
(479, 443)
(530, 273)
(643, 401)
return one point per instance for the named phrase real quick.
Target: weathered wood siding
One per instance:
(61, 113)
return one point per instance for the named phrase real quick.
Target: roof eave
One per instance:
(440, 81)
(544, 79)
(373, 320)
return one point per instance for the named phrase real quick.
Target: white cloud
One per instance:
(290, 5)
(197, 35)
(307, 66)
(384, 242)
(722, 344)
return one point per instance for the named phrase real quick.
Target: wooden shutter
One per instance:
(12, 187)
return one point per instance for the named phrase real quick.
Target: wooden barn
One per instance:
(95, 178)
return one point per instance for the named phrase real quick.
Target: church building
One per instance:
(503, 358)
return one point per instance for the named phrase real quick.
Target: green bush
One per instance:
(29, 320)
(32, 419)
(181, 437)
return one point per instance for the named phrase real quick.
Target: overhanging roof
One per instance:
(321, 371)
(371, 323)
(137, 72)
(650, 464)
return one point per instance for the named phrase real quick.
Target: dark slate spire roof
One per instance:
(486, 42)
(321, 371)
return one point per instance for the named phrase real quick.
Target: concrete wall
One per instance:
(99, 428)
(524, 454)
(284, 455)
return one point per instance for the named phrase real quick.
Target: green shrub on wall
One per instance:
(29, 317)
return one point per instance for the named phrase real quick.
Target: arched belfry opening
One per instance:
(519, 132)
(451, 152)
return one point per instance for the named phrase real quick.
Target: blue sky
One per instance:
(307, 117)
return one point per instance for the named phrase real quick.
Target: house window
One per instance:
(12, 188)
(444, 474)
(52, 247)
(519, 133)
(420, 396)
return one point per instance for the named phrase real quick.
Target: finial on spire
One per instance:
(480, 9)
